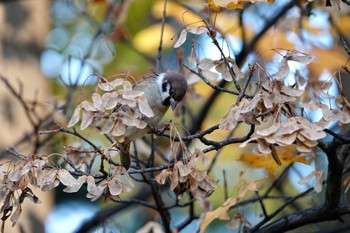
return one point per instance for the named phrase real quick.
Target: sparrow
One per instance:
(161, 91)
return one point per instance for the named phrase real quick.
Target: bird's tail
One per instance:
(124, 154)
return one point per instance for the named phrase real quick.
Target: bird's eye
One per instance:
(172, 93)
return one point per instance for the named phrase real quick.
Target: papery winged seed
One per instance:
(244, 106)
(119, 129)
(86, 119)
(290, 127)
(263, 146)
(196, 30)
(270, 139)
(184, 169)
(75, 117)
(15, 215)
(98, 103)
(128, 178)
(206, 64)
(48, 176)
(110, 100)
(307, 178)
(126, 117)
(87, 106)
(182, 38)
(50, 185)
(245, 143)
(312, 106)
(66, 178)
(161, 177)
(75, 188)
(236, 69)
(91, 186)
(300, 79)
(341, 101)
(210, 75)
(127, 86)
(110, 86)
(174, 178)
(309, 143)
(140, 123)
(115, 188)
(341, 116)
(16, 174)
(248, 106)
(299, 57)
(225, 73)
(268, 100)
(313, 135)
(198, 175)
(327, 113)
(319, 181)
(230, 120)
(107, 125)
(291, 91)
(127, 102)
(272, 129)
(283, 69)
(144, 107)
(286, 139)
(301, 147)
(132, 94)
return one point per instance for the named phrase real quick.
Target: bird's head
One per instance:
(173, 87)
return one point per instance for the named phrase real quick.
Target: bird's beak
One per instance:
(173, 104)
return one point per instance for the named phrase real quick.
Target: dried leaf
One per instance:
(287, 156)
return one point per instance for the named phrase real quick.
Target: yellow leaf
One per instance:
(147, 40)
(212, 6)
(286, 156)
(221, 212)
(232, 6)
(217, 5)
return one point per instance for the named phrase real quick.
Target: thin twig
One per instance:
(159, 56)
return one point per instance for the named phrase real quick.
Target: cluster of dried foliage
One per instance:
(281, 110)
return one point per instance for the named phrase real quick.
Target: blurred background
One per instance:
(55, 47)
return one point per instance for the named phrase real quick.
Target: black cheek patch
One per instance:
(166, 102)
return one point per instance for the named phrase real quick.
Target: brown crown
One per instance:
(177, 83)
